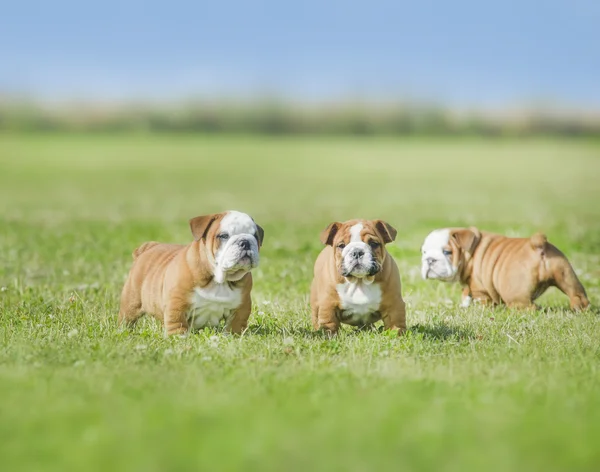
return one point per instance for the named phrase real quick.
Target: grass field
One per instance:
(475, 389)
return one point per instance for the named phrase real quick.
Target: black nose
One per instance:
(430, 260)
(358, 253)
(245, 244)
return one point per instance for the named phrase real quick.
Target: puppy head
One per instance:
(233, 239)
(446, 251)
(359, 246)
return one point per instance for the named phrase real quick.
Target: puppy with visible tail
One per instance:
(496, 269)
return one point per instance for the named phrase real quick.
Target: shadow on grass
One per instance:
(271, 329)
(442, 331)
(308, 332)
(439, 331)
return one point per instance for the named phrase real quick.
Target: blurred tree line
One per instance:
(277, 118)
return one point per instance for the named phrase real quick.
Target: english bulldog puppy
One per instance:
(200, 284)
(497, 269)
(355, 280)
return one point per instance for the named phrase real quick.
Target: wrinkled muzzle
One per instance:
(358, 261)
(441, 269)
(239, 255)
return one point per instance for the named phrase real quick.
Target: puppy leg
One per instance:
(481, 298)
(466, 298)
(239, 322)
(327, 319)
(131, 306)
(394, 317)
(314, 304)
(522, 305)
(315, 315)
(521, 300)
(568, 283)
(175, 318)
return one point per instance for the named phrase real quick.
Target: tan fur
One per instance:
(324, 298)
(514, 271)
(163, 277)
(143, 248)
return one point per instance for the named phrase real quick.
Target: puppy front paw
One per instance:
(330, 329)
(181, 332)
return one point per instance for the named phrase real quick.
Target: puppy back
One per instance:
(143, 248)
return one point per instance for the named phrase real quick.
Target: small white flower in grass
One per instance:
(79, 364)
(140, 347)
(213, 341)
(207, 358)
(266, 302)
(288, 341)
(3, 289)
(168, 352)
(72, 333)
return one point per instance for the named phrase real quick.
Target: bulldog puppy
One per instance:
(201, 284)
(355, 280)
(496, 269)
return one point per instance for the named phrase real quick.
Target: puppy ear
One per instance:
(201, 224)
(328, 234)
(467, 239)
(260, 235)
(387, 231)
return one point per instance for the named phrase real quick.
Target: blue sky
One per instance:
(461, 52)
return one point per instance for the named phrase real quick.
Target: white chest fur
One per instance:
(359, 302)
(213, 304)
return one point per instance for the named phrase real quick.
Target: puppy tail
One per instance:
(539, 241)
(143, 248)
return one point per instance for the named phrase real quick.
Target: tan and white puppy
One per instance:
(201, 284)
(497, 269)
(355, 280)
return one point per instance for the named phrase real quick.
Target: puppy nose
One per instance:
(430, 260)
(358, 253)
(245, 244)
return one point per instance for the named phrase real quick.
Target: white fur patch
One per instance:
(213, 304)
(434, 263)
(359, 301)
(355, 233)
(236, 222)
(436, 240)
(238, 226)
(357, 244)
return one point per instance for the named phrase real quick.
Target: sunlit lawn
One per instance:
(475, 389)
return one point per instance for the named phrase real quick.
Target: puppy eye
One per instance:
(374, 244)
(341, 246)
(446, 252)
(223, 236)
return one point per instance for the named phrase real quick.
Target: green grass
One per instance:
(475, 389)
